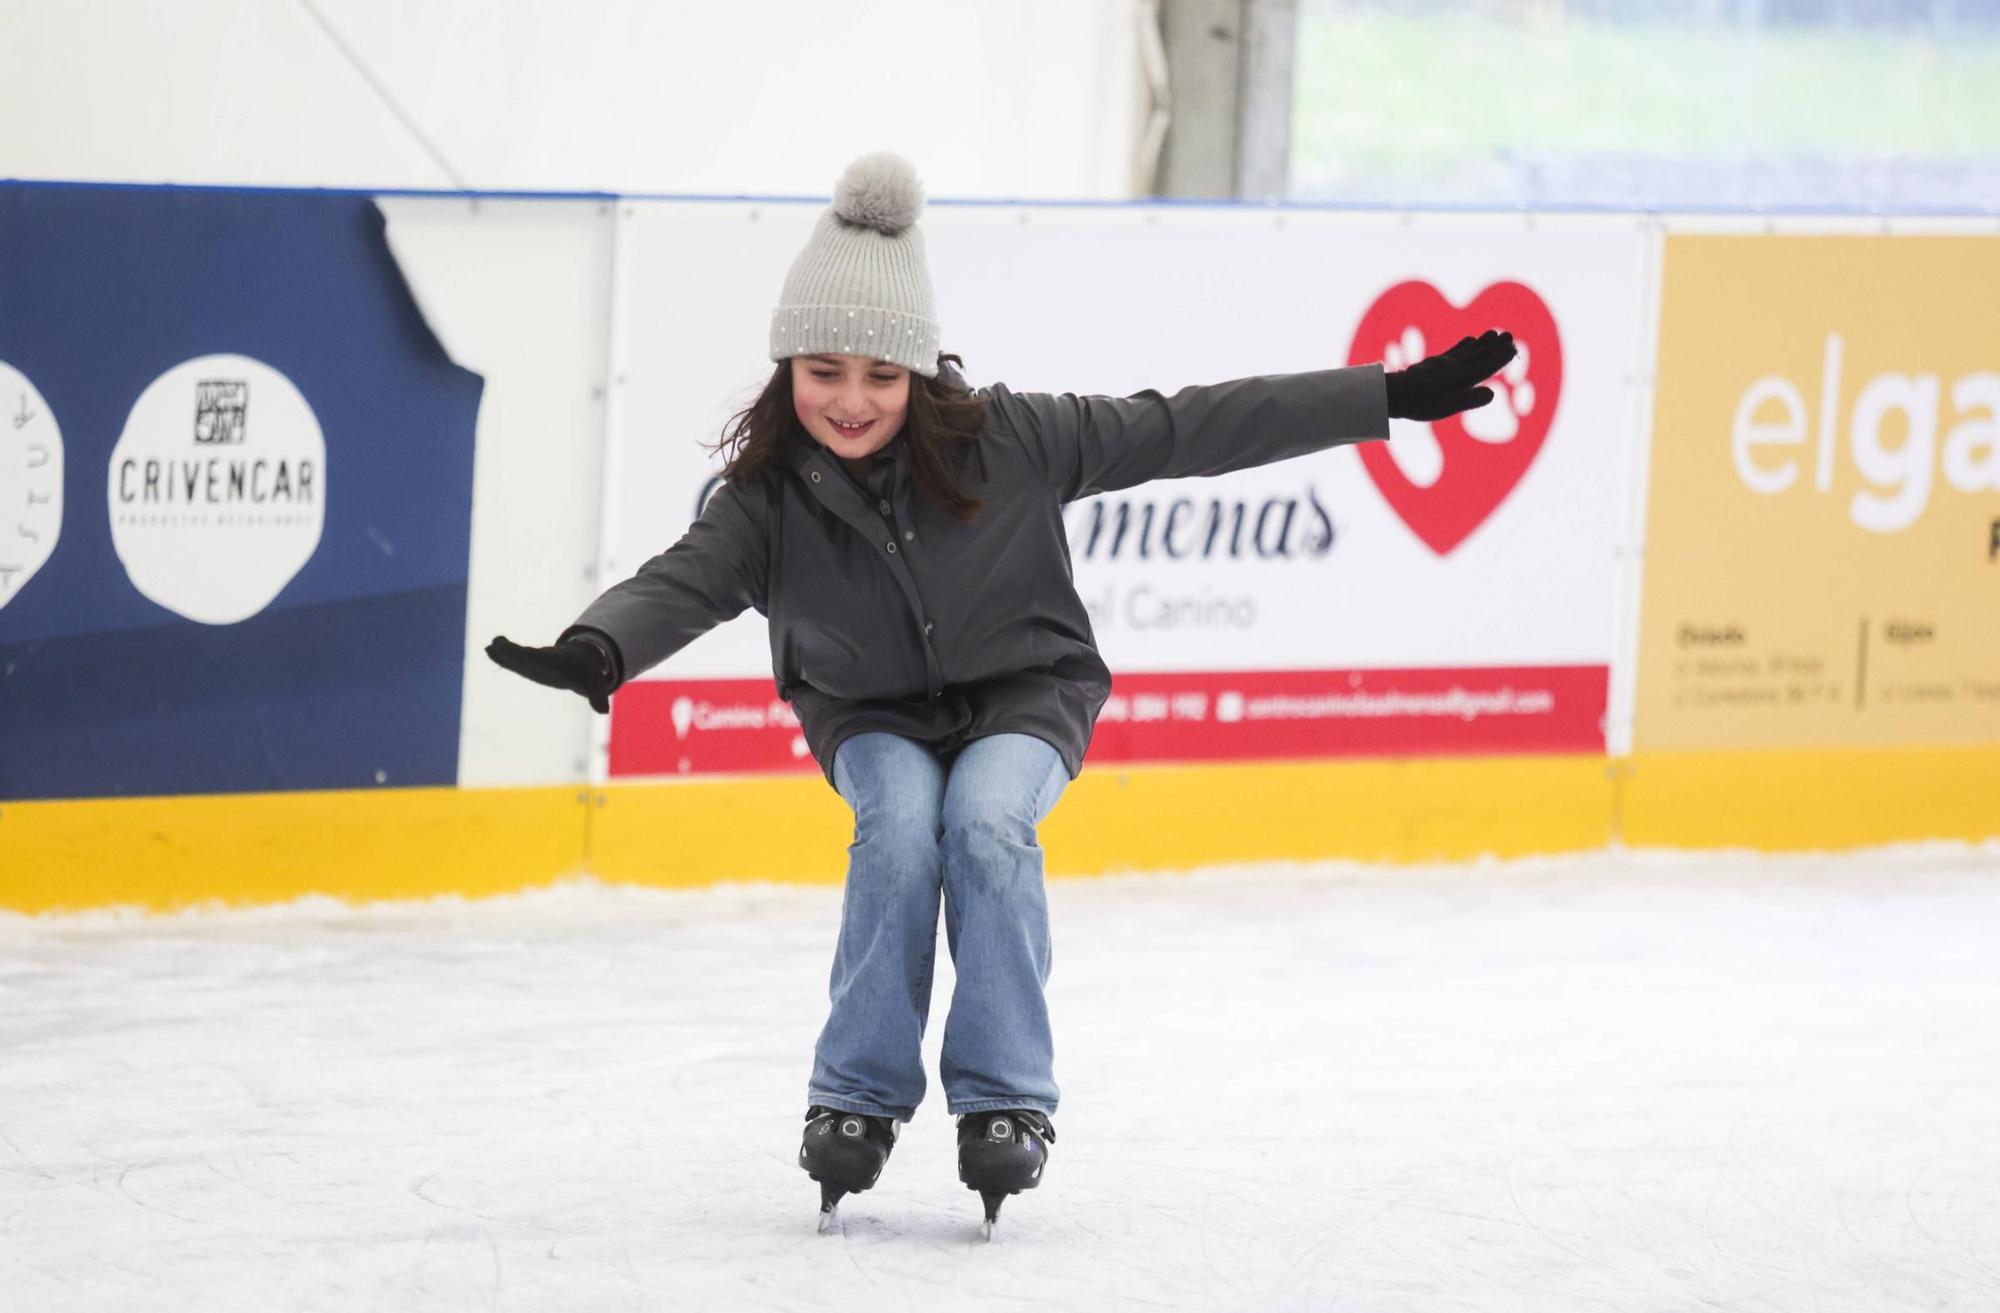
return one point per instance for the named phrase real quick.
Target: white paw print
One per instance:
(1513, 397)
(1412, 445)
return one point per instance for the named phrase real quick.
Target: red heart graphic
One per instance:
(1478, 474)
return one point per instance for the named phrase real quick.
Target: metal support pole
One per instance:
(1229, 67)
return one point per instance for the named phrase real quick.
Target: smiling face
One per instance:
(852, 405)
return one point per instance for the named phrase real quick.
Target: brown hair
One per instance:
(942, 427)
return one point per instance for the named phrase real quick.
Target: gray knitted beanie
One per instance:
(861, 286)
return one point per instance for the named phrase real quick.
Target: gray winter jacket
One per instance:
(886, 613)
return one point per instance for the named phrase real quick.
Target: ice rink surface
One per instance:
(1615, 1082)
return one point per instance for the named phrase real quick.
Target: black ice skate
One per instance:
(1002, 1153)
(844, 1152)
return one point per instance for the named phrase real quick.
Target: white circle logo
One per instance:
(217, 488)
(31, 482)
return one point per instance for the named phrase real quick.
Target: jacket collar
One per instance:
(804, 455)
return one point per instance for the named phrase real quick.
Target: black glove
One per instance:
(1438, 386)
(575, 664)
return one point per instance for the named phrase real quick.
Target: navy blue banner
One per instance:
(349, 677)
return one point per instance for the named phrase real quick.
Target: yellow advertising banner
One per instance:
(1823, 526)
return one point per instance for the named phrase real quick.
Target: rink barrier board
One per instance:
(1132, 818)
(166, 853)
(1803, 800)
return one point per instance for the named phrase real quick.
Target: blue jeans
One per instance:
(964, 830)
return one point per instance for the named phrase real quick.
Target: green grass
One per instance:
(1382, 101)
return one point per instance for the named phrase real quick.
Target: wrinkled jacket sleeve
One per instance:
(716, 571)
(1089, 444)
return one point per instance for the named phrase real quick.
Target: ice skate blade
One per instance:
(992, 1199)
(829, 1207)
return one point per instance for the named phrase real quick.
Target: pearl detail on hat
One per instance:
(864, 256)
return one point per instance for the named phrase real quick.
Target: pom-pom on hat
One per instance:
(862, 285)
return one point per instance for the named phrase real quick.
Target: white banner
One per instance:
(1485, 543)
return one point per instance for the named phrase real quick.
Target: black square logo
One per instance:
(220, 407)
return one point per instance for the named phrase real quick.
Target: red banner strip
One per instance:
(1268, 714)
(739, 726)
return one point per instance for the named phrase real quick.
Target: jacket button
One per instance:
(892, 549)
(883, 507)
(927, 629)
(815, 476)
(909, 535)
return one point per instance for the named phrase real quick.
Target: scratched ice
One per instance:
(1608, 1082)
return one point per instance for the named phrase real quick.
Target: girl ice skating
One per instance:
(902, 534)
